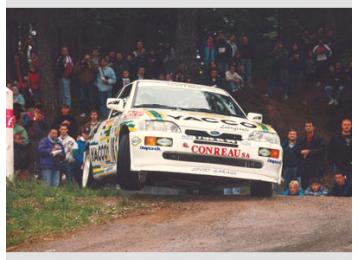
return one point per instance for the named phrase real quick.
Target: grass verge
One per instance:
(34, 210)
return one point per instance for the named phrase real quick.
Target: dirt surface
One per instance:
(219, 223)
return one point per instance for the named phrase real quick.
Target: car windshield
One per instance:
(186, 99)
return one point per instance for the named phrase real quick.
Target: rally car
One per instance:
(185, 129)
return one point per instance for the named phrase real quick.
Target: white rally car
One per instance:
(171, 128)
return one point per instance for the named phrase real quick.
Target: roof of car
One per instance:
(164, 83)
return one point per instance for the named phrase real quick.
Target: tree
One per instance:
(46, 40)
(186, 40)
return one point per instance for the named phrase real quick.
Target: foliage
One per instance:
(34, 210)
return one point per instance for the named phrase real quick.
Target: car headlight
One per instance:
(163, 126)
(260, 136)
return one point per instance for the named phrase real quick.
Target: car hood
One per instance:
(198, 121)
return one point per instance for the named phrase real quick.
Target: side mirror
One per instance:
(115, 104)
(255, 117)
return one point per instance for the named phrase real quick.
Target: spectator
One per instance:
(37, 127)
(339, 152)
(65, 118)
(311, 151)
(140, 73)
(208, 51)
(153, 65)
(322, 54)
(294, 189)
(309, 76)
(130, 66)
(21, 158)
(215, 80)
(104, 81)
(20, 130)
(247, 51)
(95, 56)
(223, 53)
(51, 154)
(315, 188)
(341, 187)
(112, 59)
(86, 72)
(279, 68)
(179, 76)
(69, 144)
(296, 69)
(140, 55)
(34, 84)
(18, 98)
(233, 45)
(119, 64)
(233, 79)
(94, 121)
(64, 67)
(290, 158)
(169, 59)
(335, 84)
(79, 150)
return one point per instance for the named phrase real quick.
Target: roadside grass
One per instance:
(34, 211)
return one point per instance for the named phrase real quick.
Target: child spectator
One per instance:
(66, 118)
(21, 158)
(78, 153)
(341, 186)
(233, 79)
(294, 189)
(290, 158)
(315, 188)
(51, 154)
(69, 144)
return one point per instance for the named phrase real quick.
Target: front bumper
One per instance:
(184, 157)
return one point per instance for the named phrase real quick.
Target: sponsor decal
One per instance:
(133, 114)
(219, 151)
(215, 140)
(154, 115)
(234, 128)
(135, 140)
(10, 122)
(130, 124)
(214, 120)
(150, 148)
(99, 152)
(213, 171)
(273, 161)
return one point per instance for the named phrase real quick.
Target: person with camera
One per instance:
(52, 154)
(105, 81)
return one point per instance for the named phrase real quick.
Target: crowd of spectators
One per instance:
(225, 61)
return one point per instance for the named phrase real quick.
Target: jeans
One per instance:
(247, 63)
(68, 169)
(234, 86)
(103, 96)
(51, 177)
(222, 68)
(289, 174)
(65, 95)
(85, 89)
(331, 94)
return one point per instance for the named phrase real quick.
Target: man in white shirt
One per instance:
(233, 79)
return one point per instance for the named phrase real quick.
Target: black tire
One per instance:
(261, 189)
(127, 179)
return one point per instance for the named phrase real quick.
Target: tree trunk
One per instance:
(47, 47)
(186, 40)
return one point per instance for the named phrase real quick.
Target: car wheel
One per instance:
(261, 189)
(127, 179)
(87, 174)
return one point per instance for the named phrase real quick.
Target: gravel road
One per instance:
(204, 224)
